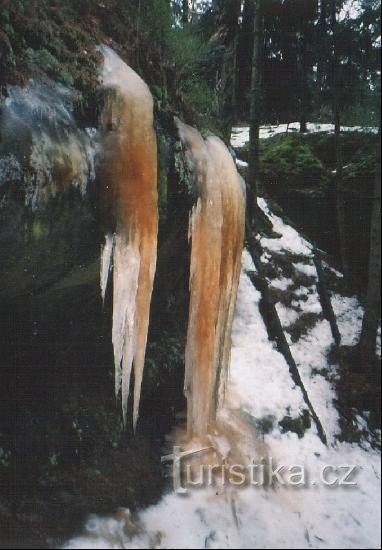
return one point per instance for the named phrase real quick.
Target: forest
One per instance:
(190, 206)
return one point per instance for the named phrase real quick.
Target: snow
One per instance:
(290, 240)
(240, 134)
(300, 518)
(310, 354)
(307, 269)
(287, 316)
(310, 304)
(311, 350)
(351, 9)
(311, 515)
(241, 163)
(281, 284)
(337, 273)
(256, 362)
(349, 314)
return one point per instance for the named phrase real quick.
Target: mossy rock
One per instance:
(297, 425)
(288, 161)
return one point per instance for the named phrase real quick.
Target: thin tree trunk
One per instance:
(322, 41)
(340, 197)
(185, 12)
(255, 111)
(235, 70)
(303, 81)
(325, 299)
(245, 45)
(228, 13)
(373, 300)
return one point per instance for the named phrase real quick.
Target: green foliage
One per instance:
(44, 58)
(158, 93)
(304, 165)
(183, 53)
(50, 64)
(357, 148)
(52, 37)
(297, 425)
(289, 161)
(313, 206)
(156, 19)
(360, 169)
(60, 39)
(189, 52)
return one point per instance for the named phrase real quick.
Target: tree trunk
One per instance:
(325, 300)
(303, 80)
(228, 97)
(185, 12)
(245, 45)
(373, 301)
(235, 68)
(228, 13)
(255, 111)
(340, 196)
(322, 41)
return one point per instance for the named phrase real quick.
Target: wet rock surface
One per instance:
(63, 450)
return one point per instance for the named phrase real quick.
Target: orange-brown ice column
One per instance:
(216, 235)
(129, 181)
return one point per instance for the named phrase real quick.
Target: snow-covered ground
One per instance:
(311, 515)
(240, 134)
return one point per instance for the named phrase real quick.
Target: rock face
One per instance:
(42, 148)
(6, 57)
(58, 420)
(47, 172)
(65, 190)
(50, 222)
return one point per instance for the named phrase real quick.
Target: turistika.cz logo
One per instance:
(257, 473)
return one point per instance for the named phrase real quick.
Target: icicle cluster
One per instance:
(128, 172)
(216, 233)
(129, 185)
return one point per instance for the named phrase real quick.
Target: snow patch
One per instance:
(289, 241)
(349, 314)
(240, 134)
(309, 516)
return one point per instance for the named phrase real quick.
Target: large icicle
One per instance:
(216, 234)
(106, 254)
(129, 195)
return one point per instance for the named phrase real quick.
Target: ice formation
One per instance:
(216, 234)
(128, 174)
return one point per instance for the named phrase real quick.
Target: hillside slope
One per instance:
(312, 513)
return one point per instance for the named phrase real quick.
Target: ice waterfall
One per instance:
(128, 175)
(216, 234)
(128, 172)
